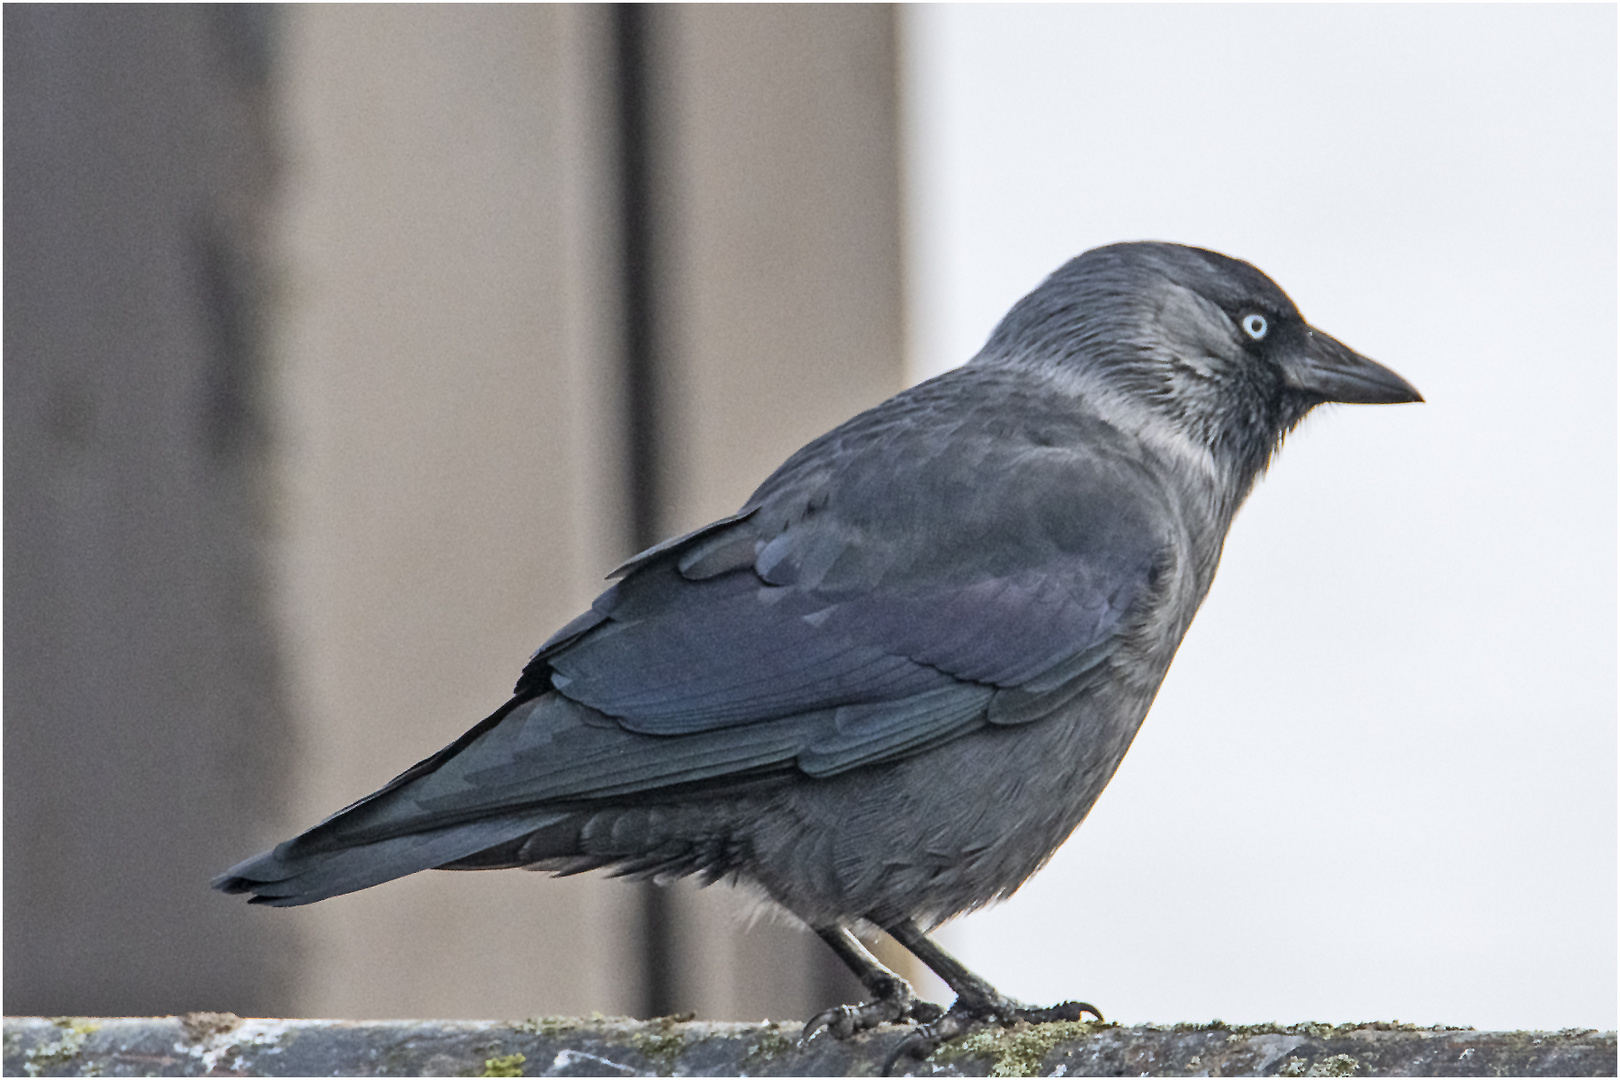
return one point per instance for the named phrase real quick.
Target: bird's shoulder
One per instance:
(971, 530)
(980, 472)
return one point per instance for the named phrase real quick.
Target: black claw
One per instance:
(842, 1021)
(822, 1019)
(924, 1039)
(911, 1048)
(839, 1020)
(1069, 1010)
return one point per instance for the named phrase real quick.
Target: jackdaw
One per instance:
(885, 690)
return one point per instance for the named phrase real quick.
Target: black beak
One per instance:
(1335, 372)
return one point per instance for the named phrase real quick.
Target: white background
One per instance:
(1379, 782)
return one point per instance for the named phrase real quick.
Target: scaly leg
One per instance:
(892, 997)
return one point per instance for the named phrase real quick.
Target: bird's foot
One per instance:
(966, 1014)
(894, 1000)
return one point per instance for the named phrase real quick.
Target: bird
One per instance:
(884, 691)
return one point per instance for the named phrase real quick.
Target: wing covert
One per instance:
(941, 577)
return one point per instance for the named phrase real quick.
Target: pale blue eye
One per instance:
(1255, 326)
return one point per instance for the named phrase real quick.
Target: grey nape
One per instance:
(887, 688)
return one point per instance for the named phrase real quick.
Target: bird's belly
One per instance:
(940, 833)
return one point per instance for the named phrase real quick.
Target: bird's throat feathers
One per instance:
(1217, 472)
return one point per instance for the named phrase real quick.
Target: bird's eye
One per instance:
(1255, 326)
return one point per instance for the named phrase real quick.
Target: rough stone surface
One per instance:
(219, 1044)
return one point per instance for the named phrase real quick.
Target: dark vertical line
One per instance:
(641, 356)
(635, 187)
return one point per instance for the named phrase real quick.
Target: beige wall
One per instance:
(451, 484)
(781, 208)
(448, 484)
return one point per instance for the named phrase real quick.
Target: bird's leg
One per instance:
(892, 997)
(976, 1000)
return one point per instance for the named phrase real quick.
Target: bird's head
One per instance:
(1202, 346)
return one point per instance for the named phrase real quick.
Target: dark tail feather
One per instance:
(383, 836)
(347, 828)
(286, 877)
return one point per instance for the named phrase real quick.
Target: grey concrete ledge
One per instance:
(216, 1044)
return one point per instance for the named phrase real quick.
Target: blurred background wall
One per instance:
(346, 349)
(147, 733)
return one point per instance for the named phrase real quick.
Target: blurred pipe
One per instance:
(631, 32)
